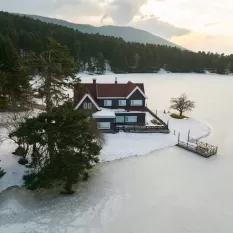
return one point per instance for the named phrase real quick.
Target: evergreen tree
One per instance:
(56, 70)
(100, 64)
(76, 141)
(14, 82)
(90, 66)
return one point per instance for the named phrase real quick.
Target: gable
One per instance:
(136, 95)
(137, 92)
(87, 98)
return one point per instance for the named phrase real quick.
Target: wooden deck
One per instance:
(204, 149)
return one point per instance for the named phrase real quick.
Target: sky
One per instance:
(198, 25)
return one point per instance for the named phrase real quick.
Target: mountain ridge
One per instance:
(129, 34)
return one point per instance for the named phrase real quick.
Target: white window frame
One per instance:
(122, 117)
(122, 102)
(89, 105)
(131, 121)
(85, 106)
(135, 103)
(108, 125)
(107, 103)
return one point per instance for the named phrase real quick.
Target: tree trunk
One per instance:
(49, 106)
(48, 95)
(181, 112)
(68, 187)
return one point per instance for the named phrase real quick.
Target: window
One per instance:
(122, 102)
(107, 103)
(120, 119)
(136, 102)
(103, 125)
(85, 105)
(89, 105)
(131, 119)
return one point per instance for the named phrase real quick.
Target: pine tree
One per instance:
(14, 82)
(100, 64)
(90, 66)
(76, 141)
(56, 70)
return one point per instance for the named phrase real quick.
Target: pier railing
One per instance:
(201, 148)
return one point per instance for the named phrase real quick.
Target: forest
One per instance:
(20, 35)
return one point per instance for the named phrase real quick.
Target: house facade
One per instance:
(113, 103)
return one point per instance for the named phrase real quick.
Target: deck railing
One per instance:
(201, 148)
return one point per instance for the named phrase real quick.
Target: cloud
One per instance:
(105, 16)
(197, 41)
(123, 11)
(160, 28)
(211, 24)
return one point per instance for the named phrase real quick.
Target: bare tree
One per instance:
(182, 104)
(11, 123)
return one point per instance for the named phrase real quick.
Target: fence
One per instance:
(141, 129)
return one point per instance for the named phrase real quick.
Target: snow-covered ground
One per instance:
(118, 146)
(124, 145)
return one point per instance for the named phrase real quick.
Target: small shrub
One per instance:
(2, 173)
(173, 115)
(23, 161)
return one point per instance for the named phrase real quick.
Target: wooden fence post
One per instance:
(188, 135)
(179, 138)
(174, 132)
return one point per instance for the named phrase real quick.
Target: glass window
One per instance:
(85, 105)
(89, 105)
(131, 119)
(120, 119)
(107, 103)
(103, 125)
(136, 102)
(122, 102)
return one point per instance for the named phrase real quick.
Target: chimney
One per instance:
(94, 81)
(115, 80)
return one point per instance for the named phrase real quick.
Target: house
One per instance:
(113, 103)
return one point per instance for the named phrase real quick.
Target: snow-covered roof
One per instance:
(110, 113)
(104, 113)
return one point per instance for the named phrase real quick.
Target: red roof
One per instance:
(111, 90)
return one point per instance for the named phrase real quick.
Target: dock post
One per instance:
(188, 135)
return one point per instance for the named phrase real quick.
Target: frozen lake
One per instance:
(170, 190)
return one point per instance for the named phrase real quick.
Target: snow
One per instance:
(118, 146)
(124, 145)
(149, 118)
(9, 162)
(104, 113)
(110, 113)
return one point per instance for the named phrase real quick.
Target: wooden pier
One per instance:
(201, 148)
